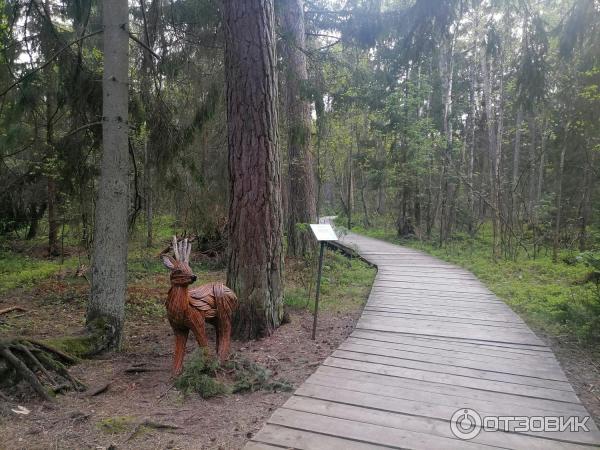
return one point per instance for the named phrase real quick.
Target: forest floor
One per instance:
(554, 299)
(140, 390)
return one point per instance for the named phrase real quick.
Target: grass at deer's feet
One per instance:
(552, 297)
(345, 283)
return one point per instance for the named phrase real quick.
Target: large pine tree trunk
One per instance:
(106, 307)
(255, 260)
(302, 206)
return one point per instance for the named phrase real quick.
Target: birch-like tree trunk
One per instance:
(515, 168)
(447, 74)
(106, 307)
(532, 202)
(559, 183)
(255, 254)
(494, 155)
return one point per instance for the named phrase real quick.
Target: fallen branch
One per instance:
(150, 424)
(141, 369)
(12, 308)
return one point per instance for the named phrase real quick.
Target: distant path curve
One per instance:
(432, 340)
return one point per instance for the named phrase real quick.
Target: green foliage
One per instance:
(345, 283)
(17, 271)
(251, 377)
(199, 376)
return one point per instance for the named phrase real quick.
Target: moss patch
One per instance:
(116, 425)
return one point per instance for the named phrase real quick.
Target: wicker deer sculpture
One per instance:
(189, 309)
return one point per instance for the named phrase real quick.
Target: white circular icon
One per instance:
(465, 423)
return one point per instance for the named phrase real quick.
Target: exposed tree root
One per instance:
(40, 365)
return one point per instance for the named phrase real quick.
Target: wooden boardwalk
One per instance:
(431, 340)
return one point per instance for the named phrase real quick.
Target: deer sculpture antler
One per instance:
(182, 250)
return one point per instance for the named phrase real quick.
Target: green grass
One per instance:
(18, 271)
(551, 297)
(345, 283)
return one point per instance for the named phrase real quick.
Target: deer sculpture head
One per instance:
(181, 273)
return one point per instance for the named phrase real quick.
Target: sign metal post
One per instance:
(323, 233)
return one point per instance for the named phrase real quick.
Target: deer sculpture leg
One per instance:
(181, 337)
(223, 339)
(199, 329)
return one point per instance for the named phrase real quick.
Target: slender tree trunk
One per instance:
(106, 307)
(494, 151)
(350, 186)
(320, 111)
(148, 194)
(542, 165)
(586, 206)
(363, 186)
(471, 159)
(51, 192)
(515, 171)
(302, 206)
(255, 254)
(150, 17)
(559, 181)
(532, 203)
(447, 73)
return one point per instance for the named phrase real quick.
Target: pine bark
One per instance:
(106, 306)
(255, 253)
(302, 207)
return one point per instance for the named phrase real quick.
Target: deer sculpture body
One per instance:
(189, 309)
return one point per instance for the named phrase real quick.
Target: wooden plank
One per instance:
(461, 331)
(427, 409)
(561, 385)
(252, 445)
(454, 313)
(466, 319)
(394, 291)
(419, 424)
(367, 432)
(450, 343)
(406, 304)
(452, 380)
(518, 367)
(289, 438)
(459, 396)
(477, 357)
